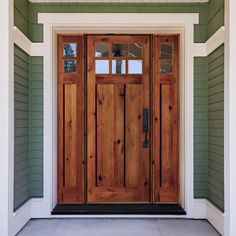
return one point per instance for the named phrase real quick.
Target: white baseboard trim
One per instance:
(215, 217)
(20, 218)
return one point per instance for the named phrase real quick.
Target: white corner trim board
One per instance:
(205, 49)
(32, 49)
(54, 23)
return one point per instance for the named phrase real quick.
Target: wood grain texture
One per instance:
(70, 125)
(166, 123)
(118, 170)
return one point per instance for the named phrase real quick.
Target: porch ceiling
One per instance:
(122, 1)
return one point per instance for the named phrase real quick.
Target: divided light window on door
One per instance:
(117, 119)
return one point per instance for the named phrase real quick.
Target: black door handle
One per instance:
(145, 127)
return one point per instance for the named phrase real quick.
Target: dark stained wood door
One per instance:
(118, 102)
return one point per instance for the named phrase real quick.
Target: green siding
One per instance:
(200, 127)
(21, 127)
(215, 16)
(21, 15)
(28, 126)
(36, 127)
(216, 127)
(36, 30)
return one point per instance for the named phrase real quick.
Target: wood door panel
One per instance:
(119, 135)
(105, 135)
(133, 127)
(70, 125)
(118, 169)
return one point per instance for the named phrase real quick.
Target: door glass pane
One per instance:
(69, 66)
(102, 50)
(118, 50)
(102, 67)
(118, 67)
(135, 66)
(135, 50)
(166, 50)
(69, 50)
(166, 66)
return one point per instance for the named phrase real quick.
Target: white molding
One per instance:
(133, 23)
(120, 1)
(22, 41)
(230, 118)
(205, 49)
(215, 40)
(215, 217)
(118, 19)
(6, 117)
(32, 49)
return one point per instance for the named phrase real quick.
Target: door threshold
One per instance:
(119, 209)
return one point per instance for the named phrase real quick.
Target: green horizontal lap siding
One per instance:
(216, 127)
(200, 127)
(21, 15)
(215, 16)
(36, 30)
(36, 127)
(21, 127)
(28, 127)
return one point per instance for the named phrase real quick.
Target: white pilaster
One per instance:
(6, 117)
(230, 119)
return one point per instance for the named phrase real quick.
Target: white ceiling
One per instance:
(122, 1)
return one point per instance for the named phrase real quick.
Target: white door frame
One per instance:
(183, 24)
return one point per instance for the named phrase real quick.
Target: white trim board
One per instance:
(205, 49)
(120, 1)
(230, 118)
(100, 23)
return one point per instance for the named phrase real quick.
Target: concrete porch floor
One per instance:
(118, 227)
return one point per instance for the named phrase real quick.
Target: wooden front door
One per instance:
(118, 119)
(118, 101)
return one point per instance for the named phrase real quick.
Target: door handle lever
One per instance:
(145, 128)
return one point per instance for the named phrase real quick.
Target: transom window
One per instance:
(118, 58)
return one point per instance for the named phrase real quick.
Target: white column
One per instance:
(6, 119)
(230, 118)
